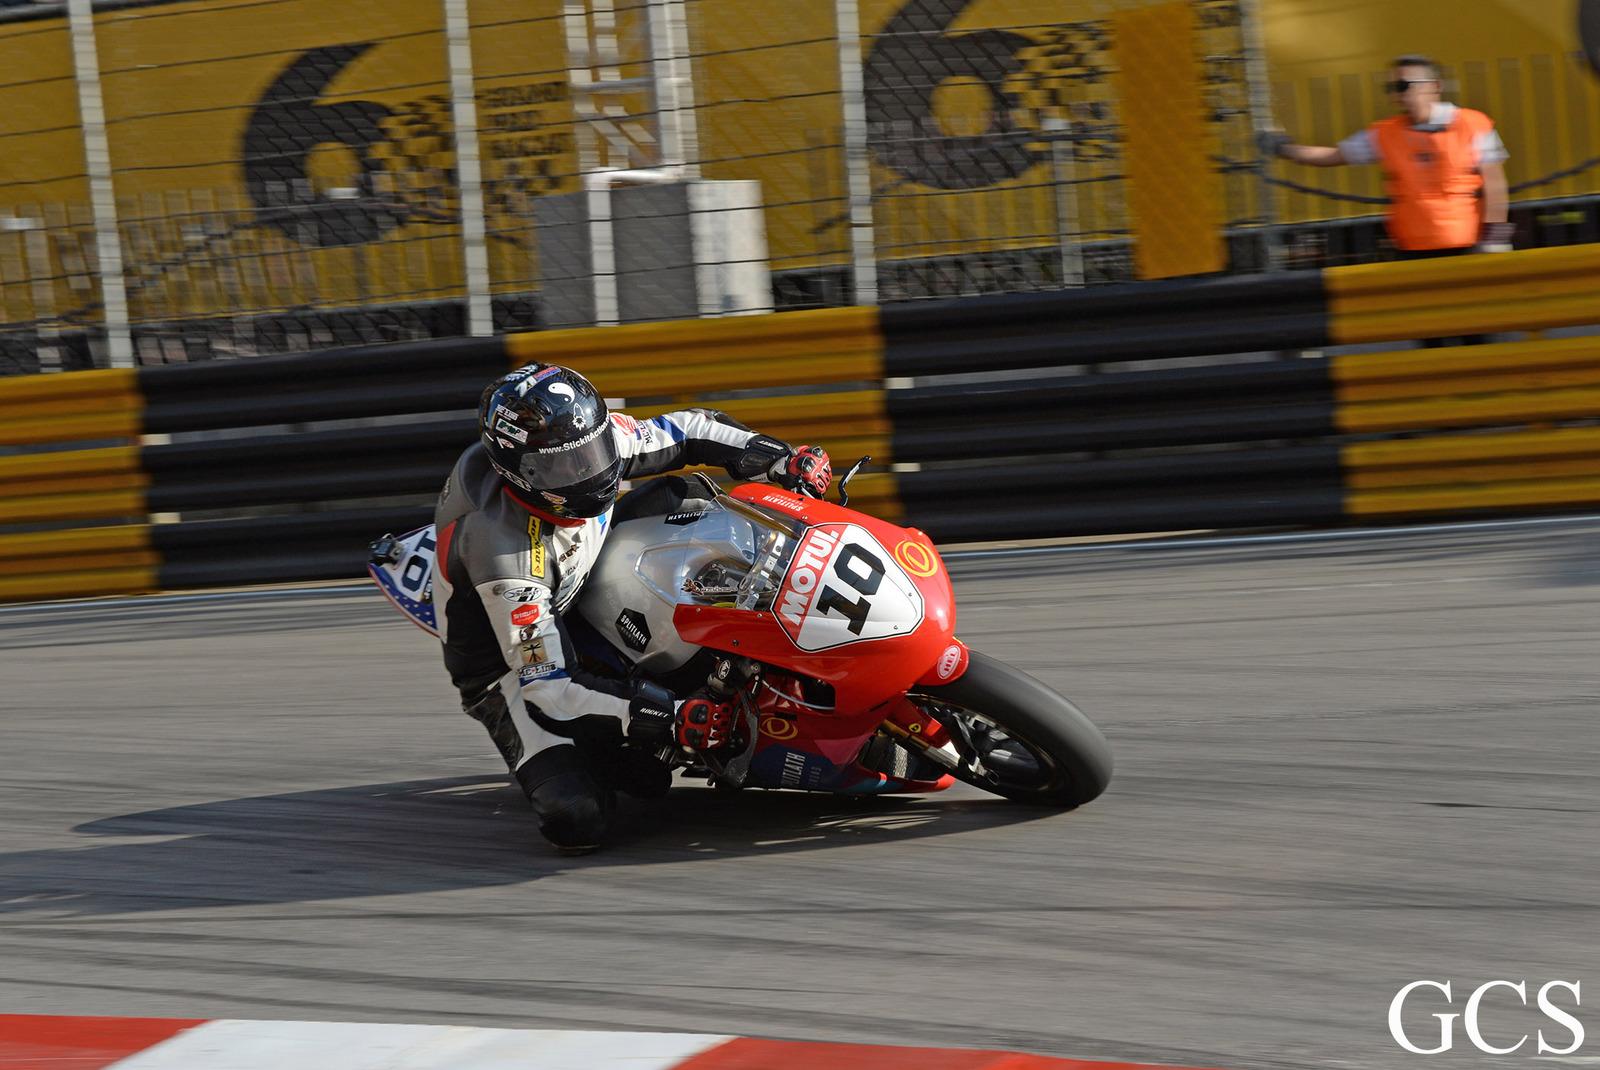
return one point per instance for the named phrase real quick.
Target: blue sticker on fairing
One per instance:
(777, 766)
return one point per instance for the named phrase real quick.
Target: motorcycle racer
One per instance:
(520, 522)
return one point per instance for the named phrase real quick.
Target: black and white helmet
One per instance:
(547, 433)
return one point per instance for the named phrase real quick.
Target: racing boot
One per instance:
(575, 813)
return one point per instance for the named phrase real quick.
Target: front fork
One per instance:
(945, 744)
(918, 731)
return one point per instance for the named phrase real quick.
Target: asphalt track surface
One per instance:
(1343, 764)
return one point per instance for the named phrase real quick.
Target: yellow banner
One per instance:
(958, 96)
(283, 156)
(301, 153)
(44, 186)
(41, 145)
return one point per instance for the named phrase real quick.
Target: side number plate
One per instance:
(408, 582)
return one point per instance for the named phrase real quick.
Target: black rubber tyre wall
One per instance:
(1042, 718)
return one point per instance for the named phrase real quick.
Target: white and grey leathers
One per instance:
(507, 571)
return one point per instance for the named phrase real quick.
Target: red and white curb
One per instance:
(48, 1042)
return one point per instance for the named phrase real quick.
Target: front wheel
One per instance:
(1012, 735)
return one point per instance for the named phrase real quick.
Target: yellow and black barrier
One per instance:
(1531, 290)
(1464, 430)
(1483, 424)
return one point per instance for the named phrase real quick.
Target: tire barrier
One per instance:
(1466, 430)
(1137, 321)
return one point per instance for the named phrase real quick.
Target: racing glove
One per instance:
(655, 720)
(1495, 238)
(703, 722)
(652, 716)
(807, 470)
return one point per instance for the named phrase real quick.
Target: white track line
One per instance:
(232, 1044)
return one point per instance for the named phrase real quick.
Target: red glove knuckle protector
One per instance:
(704, 724)
(811, 466)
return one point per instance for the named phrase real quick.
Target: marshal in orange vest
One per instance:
(1432, 180)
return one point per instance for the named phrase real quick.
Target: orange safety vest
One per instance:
(1432, 180)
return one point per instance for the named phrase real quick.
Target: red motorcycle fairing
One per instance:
(874, 664)
(863, 606)
(800, 747)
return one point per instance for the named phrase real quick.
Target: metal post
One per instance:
(469, 169)
(676, 128)
(103, 202)
(858, 165)
(602, 252)
(1258, 77)
(1064, 172)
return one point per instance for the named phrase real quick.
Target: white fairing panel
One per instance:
(843, 587)
(408, 582)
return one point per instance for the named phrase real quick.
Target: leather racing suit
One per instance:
(506, 572)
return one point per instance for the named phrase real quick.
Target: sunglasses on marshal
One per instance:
(1400, 85)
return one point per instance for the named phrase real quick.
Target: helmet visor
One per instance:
(567, 465)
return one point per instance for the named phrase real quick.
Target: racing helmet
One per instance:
(548, 434)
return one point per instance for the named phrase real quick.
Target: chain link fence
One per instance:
(284, 175)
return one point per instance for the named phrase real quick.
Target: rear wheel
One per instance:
(1012, 735)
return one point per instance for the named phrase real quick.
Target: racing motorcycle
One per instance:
(832, 634)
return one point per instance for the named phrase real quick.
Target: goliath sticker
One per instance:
(789, 503)
(633, 629)
(535, 549)
(802, 770)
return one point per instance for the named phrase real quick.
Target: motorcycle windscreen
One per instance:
(724, 554)
(407, 581)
